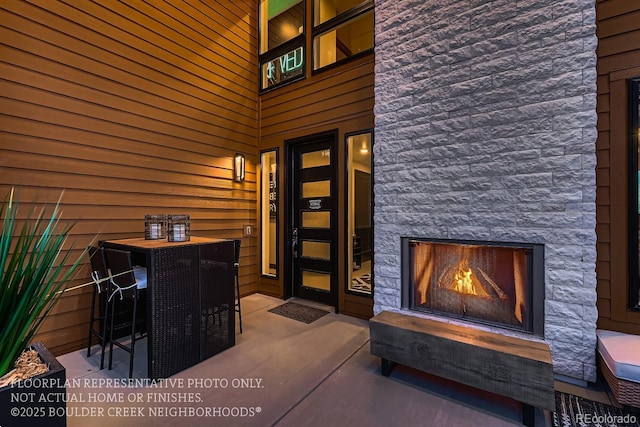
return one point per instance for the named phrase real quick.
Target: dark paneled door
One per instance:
(314, 231)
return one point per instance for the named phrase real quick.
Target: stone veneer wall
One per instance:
(486, 130)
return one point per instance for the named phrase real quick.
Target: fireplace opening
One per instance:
(499, 284)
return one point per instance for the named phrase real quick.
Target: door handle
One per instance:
(294, 243)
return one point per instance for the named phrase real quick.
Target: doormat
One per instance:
(575, 411)
(299, 312)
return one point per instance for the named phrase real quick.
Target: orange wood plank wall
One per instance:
(131, 108)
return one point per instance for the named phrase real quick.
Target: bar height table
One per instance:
(190, 299)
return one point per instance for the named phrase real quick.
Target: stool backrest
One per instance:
(237, 243)
(121, 267)
(98, 263)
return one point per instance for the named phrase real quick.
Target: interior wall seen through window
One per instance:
(359, 213)
(280, 21)
(344, 41)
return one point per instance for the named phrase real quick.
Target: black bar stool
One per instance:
(125, 288)
(100, 278)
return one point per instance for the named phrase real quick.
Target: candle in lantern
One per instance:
(179, 232)
(154, 231)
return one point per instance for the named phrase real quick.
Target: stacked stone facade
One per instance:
(485, 130)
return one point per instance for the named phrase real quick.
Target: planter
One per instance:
(38, 401)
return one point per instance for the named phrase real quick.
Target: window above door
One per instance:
(281, 41)
(341, 30)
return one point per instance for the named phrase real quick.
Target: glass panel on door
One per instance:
(316, 158)
(316, 219)
(316, 189)
(317, 250)
(316, 279)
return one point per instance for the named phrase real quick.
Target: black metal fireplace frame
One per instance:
(535, 275)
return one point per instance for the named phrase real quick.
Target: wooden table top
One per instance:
(141, 242)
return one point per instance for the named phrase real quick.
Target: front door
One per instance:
(314, 229)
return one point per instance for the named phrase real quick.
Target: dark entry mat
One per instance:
(299, 312)
(577, 411)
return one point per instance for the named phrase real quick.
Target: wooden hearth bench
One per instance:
(509, 366)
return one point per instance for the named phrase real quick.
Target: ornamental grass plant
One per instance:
(33, 272)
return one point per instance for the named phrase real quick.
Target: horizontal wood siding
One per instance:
(618, 58)
(323, 101)
(337, 98)
(131, 108)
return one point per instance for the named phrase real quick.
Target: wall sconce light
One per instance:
(238, 167)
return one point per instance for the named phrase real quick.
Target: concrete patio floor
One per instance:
(285, 373)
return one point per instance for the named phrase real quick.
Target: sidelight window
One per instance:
(269, 212)
(359, 214)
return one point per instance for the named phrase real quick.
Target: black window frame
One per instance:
(282, 49)
(349, 15)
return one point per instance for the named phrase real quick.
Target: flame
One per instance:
(463, 282)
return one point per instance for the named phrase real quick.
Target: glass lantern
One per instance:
(155, 227)
(178, 228)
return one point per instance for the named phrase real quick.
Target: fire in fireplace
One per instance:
(500, 284)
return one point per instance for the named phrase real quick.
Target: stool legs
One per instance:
(238, 308)
(112, 341)
(91, 321)
(100, 333)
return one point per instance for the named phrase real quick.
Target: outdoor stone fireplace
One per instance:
(496, 284)
(485, 130)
